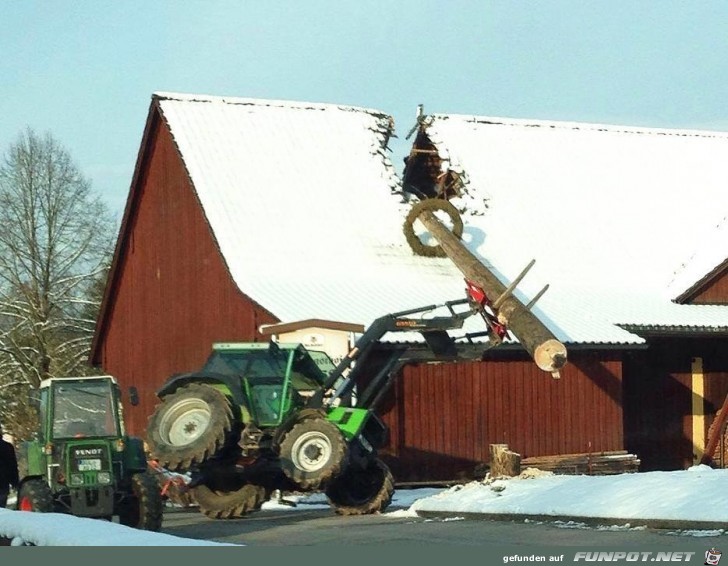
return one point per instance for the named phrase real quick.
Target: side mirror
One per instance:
(133, 396)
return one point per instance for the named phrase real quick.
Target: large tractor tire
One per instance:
(218, 504)
(362, 491)
(35, 495)
(432, 205)
(189, 426)
(312, 453)
(145, 509)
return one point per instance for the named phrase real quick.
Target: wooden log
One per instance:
(503, 462)
(586, 464)
(541, 344)
(576, 461)
(578, 455)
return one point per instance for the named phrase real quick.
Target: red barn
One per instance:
(245, 213)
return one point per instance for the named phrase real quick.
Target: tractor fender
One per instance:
(231, 385)
(26, 479)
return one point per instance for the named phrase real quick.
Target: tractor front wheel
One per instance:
(313, 452)
(145, 508)
(35, 495)
(189, 426)
(362, 491)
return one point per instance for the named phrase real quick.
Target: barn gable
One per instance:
(170, 293)
(711, 289)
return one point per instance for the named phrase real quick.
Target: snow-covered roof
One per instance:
(307, 210)
(610, 213)
(302, 201)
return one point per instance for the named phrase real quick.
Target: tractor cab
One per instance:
(75, 408)
(276, 377)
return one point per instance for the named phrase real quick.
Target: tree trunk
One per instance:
(503, 462)
(548, 352)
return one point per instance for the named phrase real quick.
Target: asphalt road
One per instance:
(322, 527)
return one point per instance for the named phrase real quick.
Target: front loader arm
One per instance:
(441, 346)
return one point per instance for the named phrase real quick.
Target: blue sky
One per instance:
(85, 70)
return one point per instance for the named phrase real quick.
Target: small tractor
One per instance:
(82, 462)
(260, 417)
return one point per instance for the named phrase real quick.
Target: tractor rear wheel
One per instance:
(362, 491)
(219, 504)
(189, 426)
(35, 495)
(313, 452)
(145, 509)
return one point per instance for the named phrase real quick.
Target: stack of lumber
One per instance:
(588, 463)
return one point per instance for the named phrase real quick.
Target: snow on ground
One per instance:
(694, 495)
(54, 529)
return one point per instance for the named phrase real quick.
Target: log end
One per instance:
(550, 356)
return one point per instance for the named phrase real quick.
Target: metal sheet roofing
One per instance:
(610, 213)
(303, 201)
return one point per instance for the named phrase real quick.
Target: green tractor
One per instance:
(82, 462)
(243, 427)
(259, 417)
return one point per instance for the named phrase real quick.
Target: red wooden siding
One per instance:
(174, 295)
(445, 416)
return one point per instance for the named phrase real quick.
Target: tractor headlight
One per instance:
(103, 478)
(119, 445)
(76, 480)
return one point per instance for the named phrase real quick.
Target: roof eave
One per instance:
(284, 327)
(674, 331)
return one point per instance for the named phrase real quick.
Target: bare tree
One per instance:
(55, 242)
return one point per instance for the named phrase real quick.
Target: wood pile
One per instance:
(588, 463)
